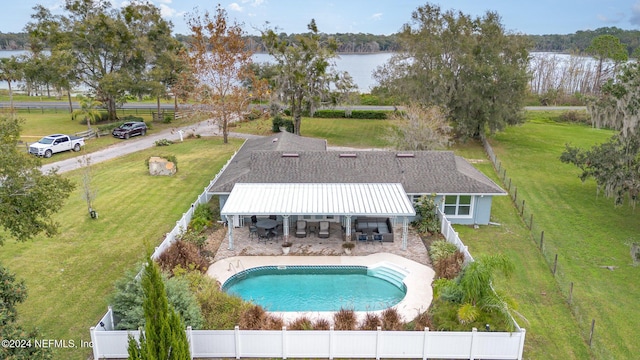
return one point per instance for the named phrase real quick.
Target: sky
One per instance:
(380, 17)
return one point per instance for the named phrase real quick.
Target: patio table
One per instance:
(267, 224)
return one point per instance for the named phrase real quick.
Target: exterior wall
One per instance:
(480, 213)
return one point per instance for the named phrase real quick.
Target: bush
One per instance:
(321, 324)
(371, 322)
(220, 311)
(252, 318)
(422, 321)
(450, 266)
(427, 221)
(278, 122)
(184, 254)
(301, 323)
(163, 142)
(391, 320)
(273, 323)
(329, 114)
(440, 249)
(369, 114)
(574, 116)
(345, 320)
(253, 114)
(201, 219)
(128, 298)
(131, 118)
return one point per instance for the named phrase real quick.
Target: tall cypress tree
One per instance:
(164, 336)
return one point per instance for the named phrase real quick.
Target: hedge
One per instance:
(337, 114)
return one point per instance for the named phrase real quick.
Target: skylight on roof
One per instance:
(291, 155)
(350, 155)
(405, 155)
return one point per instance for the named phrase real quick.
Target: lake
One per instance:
(360, 67)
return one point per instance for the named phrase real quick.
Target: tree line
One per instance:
(579, 41)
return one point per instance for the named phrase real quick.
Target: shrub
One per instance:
(131, 118)
(128, 298)
(272, 323)
(440, 249)
(427, 221)
(450, 266)
(278, 122)
(168, 118)
(422, 321)
(371, 322)
(220, 311)
(253, 114)
(369, 114)
(252, 318)
(321, 324)
(201, 219)
(184, 254)
(345, 319)
(301, 323)
(329, 114)
(391, 320)
(574, 116)
(163, 142)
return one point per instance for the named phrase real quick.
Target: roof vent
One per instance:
(350, 155)
(405, 155)
(289, 155)
(274, 140)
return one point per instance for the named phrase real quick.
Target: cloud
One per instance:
(164, 2)
(235, 7)
(377, 16)
(167, 11)
(635, 14)
(614, 19)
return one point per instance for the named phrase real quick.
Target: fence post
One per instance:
(284, 342)
(593, 324)
(531, 222)
(190, 340)
(472, 351)
(94, 343)
(425, 342)
(522, 210)
(236, 335)
(515, 195)
(541, 239)
(555, 264)
(378, 343)
(331, 342)
(570, 292)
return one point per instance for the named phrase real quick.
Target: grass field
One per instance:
(585, 230)
(69, 277)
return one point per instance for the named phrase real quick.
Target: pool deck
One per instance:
(418, 281)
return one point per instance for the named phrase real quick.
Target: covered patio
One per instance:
(340, 204)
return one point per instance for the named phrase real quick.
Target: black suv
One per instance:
(129, 129)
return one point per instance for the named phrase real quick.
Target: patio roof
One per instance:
(379, 199)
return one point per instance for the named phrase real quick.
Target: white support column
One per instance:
(405, 231)
(285, 227)
(230, 231)
(347, 228)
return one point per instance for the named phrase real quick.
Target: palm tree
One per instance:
(88, 110)
(474, 293)
(10, 71)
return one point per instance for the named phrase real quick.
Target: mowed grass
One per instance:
(585, 230)
(551, 328)
(359, 133)
(70, 276)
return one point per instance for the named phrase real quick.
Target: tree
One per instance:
(164, 334)
(88, 110)
(421, 129)
(10, 71)
(28, 197)
(305, 69)
(473, 293)
(470, 67)
(606, 47)
(12, 293)
(113, 47)
(219, 61)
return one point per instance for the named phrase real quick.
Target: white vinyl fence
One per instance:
(330, 344)
(183, 223)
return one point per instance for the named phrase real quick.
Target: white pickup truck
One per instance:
(55, 143)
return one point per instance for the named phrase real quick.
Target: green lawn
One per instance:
(338, 132)
(585, 230)
(69, 277)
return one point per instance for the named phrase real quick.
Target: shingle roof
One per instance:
(241, 162)
(422, 172)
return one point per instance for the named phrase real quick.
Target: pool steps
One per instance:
(389, 272)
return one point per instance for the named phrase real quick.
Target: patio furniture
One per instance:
(276, 232)
(253, 231)
(264, 235)
(378, 238)
(273, 217)
(323, 231)
(361, 237)
(254, 219)
(301, 228)
(266, 224)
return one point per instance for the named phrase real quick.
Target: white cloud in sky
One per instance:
(235, 7)
(635, 14)
(377, 16)
(167, 11)
(164, 2)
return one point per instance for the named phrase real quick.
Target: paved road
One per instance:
(205, 128)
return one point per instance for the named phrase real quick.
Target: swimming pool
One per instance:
(318, 288)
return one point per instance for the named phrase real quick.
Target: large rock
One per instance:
(161, 166)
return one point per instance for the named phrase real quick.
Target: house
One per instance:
(298, 178)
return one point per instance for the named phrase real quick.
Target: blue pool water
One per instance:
(314, 288)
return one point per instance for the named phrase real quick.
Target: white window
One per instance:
(458, 205)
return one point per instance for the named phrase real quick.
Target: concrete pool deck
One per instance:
(418, 281)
